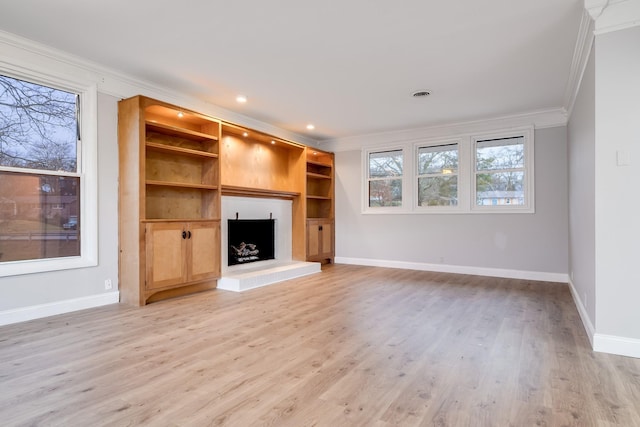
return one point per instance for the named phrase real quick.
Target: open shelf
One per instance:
(257, 161)
(179, 132)
(317, 176)
(182, 185)
(153, 146)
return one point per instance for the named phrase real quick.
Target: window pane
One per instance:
(438, 191)
(38, 126)
(504, 153)
(500, 188)
(39, 216)
(387, 192)
(441, 159)
(385, 164)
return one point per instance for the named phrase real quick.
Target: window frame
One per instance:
(87, 171)
(528, 168)
(403, 179)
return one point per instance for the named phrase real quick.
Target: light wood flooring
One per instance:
(351, 346)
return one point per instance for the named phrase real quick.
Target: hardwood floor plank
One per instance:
(356, 346)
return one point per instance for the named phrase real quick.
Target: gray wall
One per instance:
(526, 242)
(617, 126)
(43, 288)
(582, 222)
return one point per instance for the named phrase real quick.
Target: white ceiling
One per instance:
(348, 66)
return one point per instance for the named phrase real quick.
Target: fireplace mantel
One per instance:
(230, 190)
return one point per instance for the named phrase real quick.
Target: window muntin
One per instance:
(500, 172)
(385, 178)
(40, 183)
(438, 175)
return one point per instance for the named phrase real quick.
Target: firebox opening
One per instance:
(251, 240)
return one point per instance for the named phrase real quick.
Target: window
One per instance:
(43, 181)
(501, 172)
(385, 170)
(438, 175)
(488, 173)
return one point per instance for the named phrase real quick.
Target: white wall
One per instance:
(511, 245)
(617, 132)
(22, 297)
(581, 141)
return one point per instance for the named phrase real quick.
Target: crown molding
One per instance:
(581, 54)
(539, 119)
(613, 15)
(20, 54)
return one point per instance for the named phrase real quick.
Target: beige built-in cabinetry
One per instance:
(175, 165)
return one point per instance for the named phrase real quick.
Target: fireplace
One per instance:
(250, 240)
(281, 265)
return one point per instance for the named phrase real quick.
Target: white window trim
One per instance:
(466, 175)
(529, 185)
(407, 171)
(87, 170)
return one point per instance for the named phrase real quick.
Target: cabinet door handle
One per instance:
(189, 234)
(184, 234)
(320, 228)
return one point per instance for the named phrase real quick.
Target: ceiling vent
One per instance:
(421, 93)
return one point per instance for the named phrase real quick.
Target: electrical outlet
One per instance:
(107, 284)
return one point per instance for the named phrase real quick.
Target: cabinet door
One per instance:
(319, 239)
(325, 240)
(204, 250)
(165, 254)
(313, 239)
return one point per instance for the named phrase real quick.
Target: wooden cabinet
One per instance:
(320, 240)
(320, 206)
(175, 164)
(178, 253)
(169, 188)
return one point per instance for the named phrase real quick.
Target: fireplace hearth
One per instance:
(250, 240)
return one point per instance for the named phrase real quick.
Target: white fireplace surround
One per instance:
(243, 277)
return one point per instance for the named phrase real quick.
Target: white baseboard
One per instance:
(611, 344)
(582, 311)
(458, 269)
(59, 307)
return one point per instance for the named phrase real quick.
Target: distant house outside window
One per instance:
(40, 179)
(502, 172)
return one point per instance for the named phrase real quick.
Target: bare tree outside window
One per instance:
(385, 178)
(438, 175)
(39, 180)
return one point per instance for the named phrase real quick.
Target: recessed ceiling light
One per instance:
(180, 114)
(245, 134)
(241, 99)
(421, 93)
(273, 142)
(310, 126)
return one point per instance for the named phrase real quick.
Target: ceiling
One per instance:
(349, 67)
